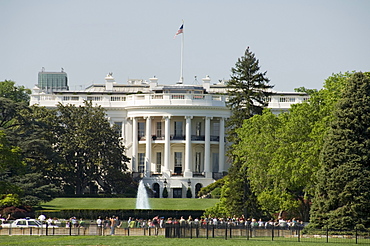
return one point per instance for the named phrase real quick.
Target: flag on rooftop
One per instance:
(181, 30)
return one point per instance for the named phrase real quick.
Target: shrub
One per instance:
(10, 200)
(216, 193)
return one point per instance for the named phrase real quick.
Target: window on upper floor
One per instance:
(216, 128)
(159, 129)
(178, 129)
(198, 129)
(118, 128)
(141, 129)
(215, 163)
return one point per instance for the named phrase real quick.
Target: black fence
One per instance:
(192, 230)
(275, 233)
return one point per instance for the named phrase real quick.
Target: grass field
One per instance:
(142, 240)
(128, 203)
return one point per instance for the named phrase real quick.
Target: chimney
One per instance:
(153, 82)
(206, 83)
(109, 81)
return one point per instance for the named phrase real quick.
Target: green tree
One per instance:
(10, 113)
(91, 149)
(14, 93)
(294, 161)
(248, 89)
(255, 151)
(35, 188)
(10, 159)
(342, 198)
(281, 153)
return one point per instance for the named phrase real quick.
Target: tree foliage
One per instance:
(92, 152)
(42, 150)
(281, 154)
(248, 89)
(14, 93)
(342, 198)
(35, 188)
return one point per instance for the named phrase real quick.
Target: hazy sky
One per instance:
(298, 43)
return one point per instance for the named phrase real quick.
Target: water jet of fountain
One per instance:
(142, 200)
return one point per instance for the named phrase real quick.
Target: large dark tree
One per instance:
(342, 198)
(91, 150)
(248, 89)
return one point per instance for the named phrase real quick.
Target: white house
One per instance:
(174, 134)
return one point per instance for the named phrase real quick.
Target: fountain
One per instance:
(142, 200)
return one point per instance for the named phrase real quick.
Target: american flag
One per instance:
(181, 29)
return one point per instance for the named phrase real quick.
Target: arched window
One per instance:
(198, 186)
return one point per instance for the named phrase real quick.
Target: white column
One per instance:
(148, 146)
(207, 148)
(221, 146)
(187, 172)
(134, 144)
(167, 146)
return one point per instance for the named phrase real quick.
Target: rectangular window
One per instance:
(198, 162)
(215, 163)
(115, 99)
(267, 99)
(141, 129)
(141, 162)
(159, 162)
(198, 129)
(118, 128)
(178, 129)
(159, 129)
(178, 162)
(177, 96)
(91, 98)
(216, 129)
(287, 99)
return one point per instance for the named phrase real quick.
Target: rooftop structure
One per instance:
(52, 81)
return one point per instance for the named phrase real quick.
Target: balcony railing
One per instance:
(177, 137)
(131, 100)
(197, 138)
(215, 138)
(181, 137)
(155, 137)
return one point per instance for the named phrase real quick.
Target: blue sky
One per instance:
(299, 43)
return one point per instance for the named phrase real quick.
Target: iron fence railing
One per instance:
(191, 230)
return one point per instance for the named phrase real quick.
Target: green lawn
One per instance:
(128, 203)
(144, 240)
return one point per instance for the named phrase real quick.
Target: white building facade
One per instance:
(174, 134)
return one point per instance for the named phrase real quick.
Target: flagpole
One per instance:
(182, 56)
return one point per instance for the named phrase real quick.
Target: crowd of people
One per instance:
(161, 222)
(158, 222)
